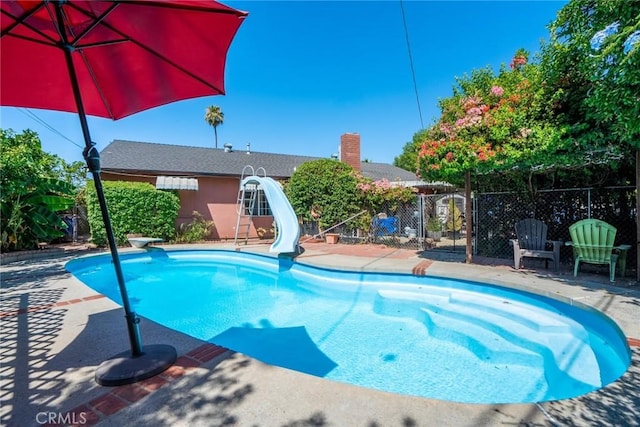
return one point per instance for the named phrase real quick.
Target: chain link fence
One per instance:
(437, 221)
(393, 226)
(444, 222)
(429, 222)
(77, 222)
(497, 213)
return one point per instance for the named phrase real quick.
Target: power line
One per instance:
(33, 116)
(413, 73)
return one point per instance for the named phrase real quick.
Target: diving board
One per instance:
(143, 242)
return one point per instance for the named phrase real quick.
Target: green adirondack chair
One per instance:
(592, 241)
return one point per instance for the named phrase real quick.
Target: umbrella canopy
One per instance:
(128, 55)
(113, 59)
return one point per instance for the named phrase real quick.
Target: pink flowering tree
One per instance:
(490, 123)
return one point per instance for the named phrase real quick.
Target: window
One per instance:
(261, 206)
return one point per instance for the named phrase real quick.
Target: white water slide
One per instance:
(288, 229)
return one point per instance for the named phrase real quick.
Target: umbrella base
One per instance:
(123, 369)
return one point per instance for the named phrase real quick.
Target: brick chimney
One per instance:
(350, 149)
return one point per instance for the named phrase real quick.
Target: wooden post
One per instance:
(638, 215)
(468, 214)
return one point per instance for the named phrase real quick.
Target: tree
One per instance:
(491, 123)
(34, 187)
(330, 192)
(592, 71)
(214, 117)
(325, 191)
(408, 159)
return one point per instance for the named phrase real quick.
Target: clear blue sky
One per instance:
(300, 74)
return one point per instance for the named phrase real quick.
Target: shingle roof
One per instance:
(383, 170)
(145, 157)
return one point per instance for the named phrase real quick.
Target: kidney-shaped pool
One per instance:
(417, 335)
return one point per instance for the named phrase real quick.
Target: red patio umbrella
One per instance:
(113, 59)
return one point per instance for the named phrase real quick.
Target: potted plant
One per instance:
(332, 238)
(434, 228)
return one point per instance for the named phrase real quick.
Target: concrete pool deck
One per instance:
(56, 331)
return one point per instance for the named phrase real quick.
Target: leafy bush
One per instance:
(33, 189)
(325, 191)
(264, 233)
(195, 231)
(134, 208)
(434, 224)
(329, 192)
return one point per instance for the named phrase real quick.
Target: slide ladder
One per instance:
(246, 207)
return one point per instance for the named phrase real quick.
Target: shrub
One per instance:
(434, 224)
(134, 208)
(33, 191)
(195, 231)
(264, 233)
(325, 191)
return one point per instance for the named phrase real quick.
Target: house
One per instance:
(208, 179)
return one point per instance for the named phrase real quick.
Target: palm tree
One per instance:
(214, 116)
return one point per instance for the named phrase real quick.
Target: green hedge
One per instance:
(134, 208)
(324, 190)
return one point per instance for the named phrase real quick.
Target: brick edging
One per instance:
(41, 307)
(94, 411)
(120, 397)
(420, 269)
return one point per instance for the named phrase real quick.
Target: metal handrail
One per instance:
(333, 226)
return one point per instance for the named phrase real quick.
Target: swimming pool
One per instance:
(439, 338)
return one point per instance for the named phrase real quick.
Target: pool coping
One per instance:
(120, 403)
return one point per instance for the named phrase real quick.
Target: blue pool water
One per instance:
(438, 338)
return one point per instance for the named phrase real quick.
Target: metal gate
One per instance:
(443, 219)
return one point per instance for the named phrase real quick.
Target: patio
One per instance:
(56, 331)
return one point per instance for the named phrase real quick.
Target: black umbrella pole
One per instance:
(132, 319)
(92, 157)
(136, 365)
